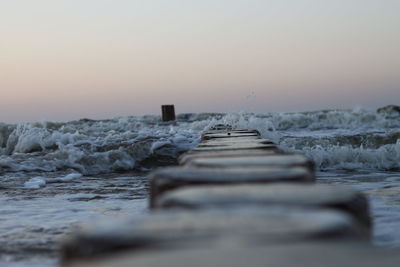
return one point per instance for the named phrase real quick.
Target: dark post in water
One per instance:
(168, 112)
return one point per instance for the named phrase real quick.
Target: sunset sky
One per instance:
(69, 59)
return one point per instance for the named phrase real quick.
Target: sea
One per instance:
(56, 177)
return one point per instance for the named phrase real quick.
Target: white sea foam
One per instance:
(386, 157)
(70, 177)
(35, 183)
(334, 139)
(38, 182)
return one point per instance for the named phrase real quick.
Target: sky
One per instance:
(71, 59)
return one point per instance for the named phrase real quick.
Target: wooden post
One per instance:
(168, 112)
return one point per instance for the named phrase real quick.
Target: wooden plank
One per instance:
(236, 146)
(291, 194)
(232, 131)
(278, 160)
(233, 143)
(310, 254)
(234, 139)
(229, 134)
(166, 179)
(188, 156)
(207, 228)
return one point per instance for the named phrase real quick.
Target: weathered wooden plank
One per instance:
(174, 177)
(188, 156)
(315, 254)
(278, 160)
(261, 195)
(254, 131)
(236, 146)
(212, 227)
(232, 143)
(229, 134)
(235, 139)
(209, 136)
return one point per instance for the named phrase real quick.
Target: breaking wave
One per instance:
(93, 147)
(345, 139)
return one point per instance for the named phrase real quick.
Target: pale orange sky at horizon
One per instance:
(64, 60)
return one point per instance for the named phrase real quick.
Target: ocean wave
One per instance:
(332, 138)
(385, 157)
(93, 147)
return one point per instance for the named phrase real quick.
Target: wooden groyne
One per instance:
(235, 200)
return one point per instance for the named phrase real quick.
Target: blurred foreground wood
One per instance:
(287, 255)
(235, 200)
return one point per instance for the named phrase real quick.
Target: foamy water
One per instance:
(56, 175)
(349, 139)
